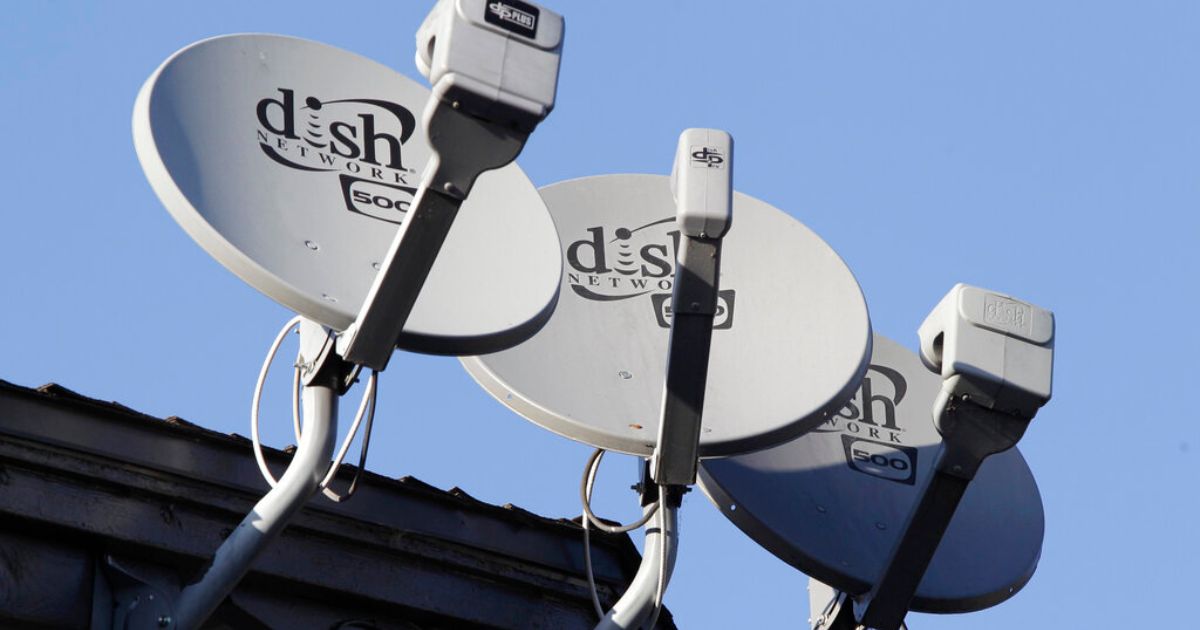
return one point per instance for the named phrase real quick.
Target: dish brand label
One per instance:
(611, 264)
(513, 16)
(887, 461)
(362, 139)
(707, 157)
(1007, 314)
(872, 412)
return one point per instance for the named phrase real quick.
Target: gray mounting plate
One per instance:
(286, 160)
(790, 341)
(832, 503)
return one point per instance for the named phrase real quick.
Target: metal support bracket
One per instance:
(318, 360)
(122, 600)
(971, 430)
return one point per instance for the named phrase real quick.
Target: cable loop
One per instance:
(257, 399)
(366, 408)
(585, 494)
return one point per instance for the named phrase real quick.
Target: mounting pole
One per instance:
(325, 382)
(995, 354)
(494, 76)
(637, 604)
(701, 182)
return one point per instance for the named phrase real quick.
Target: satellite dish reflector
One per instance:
(833, 502)
(292, 163)
(790, 342)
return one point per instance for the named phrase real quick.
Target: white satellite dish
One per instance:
(834, 502)
(303, 169)
(293, 163)
(790, 339)
(771, 335)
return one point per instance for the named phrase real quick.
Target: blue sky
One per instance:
(1049, 150)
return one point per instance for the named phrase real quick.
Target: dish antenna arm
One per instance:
(492, 85)
(995, 355)
(702, 184)
(464, 148)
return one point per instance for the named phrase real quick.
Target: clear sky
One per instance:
(1048, 150)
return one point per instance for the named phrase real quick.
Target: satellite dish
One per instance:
(790, 339)
(293, 163)
(834, 502)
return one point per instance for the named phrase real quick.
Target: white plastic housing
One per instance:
(1003, 346)
(702, 182)
(497, 58)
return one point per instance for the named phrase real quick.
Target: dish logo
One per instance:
(386, 202)
(612, 264)
(1007, 314)
(721, 321)
(513, 16)
(886, 461)
(871, 412)
(361, 138)
(707, 157)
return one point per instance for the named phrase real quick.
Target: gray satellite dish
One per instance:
(292, 163)
(834, 502)
(790, 342)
